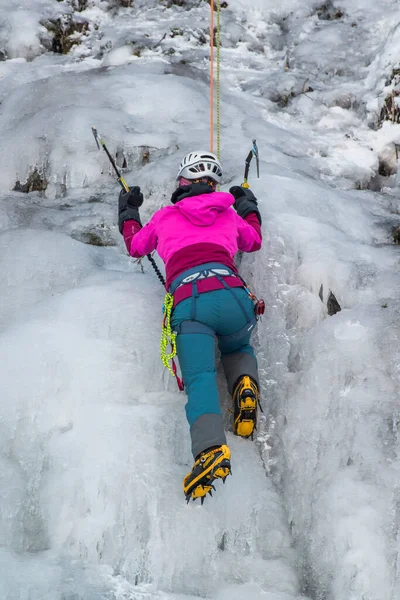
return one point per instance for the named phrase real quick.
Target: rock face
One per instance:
(328, 12)
(390, 110)
(36, 182)
(67, 32)
(333, 305)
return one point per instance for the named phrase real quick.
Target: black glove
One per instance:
(128, 206)
(245, 202)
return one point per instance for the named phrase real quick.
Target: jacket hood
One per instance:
(202, 210)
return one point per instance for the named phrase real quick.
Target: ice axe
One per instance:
(101, 144)
(253, 153)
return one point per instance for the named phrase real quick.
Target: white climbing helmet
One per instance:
(200, 164)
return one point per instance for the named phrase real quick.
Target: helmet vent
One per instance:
(205, 163)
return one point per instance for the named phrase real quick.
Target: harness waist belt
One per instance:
(201, 272)
(204, 275)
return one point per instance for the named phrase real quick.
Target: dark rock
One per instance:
(328, 12)
(63, 30)
(390, 110)
(145, 155)
(36, 182)
(56, 45)
(79, 5)
(332, 304)
(176, 32)
(223, 5)
(385, 167)
(222, 543)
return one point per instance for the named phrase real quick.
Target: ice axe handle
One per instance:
(245, 183)
(123, 184)
(100, 143)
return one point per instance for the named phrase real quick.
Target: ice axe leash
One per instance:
(101, 144)
(252, 154)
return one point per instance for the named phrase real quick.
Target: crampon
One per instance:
(209, 466)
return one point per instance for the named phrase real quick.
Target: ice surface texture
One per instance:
(93, 439)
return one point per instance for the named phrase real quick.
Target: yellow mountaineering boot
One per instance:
(246, 397)
(211, 464)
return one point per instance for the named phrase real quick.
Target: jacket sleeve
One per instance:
(129, 229)
(249, 233)
(139, 240)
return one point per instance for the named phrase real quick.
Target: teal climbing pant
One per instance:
(221, 311)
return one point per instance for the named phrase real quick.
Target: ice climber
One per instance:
(197, 237)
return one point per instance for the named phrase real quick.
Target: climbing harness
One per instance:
(100, 143)
(253, 153)
(169, 337)
(192, 276)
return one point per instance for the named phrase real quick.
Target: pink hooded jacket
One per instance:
(196, 230)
